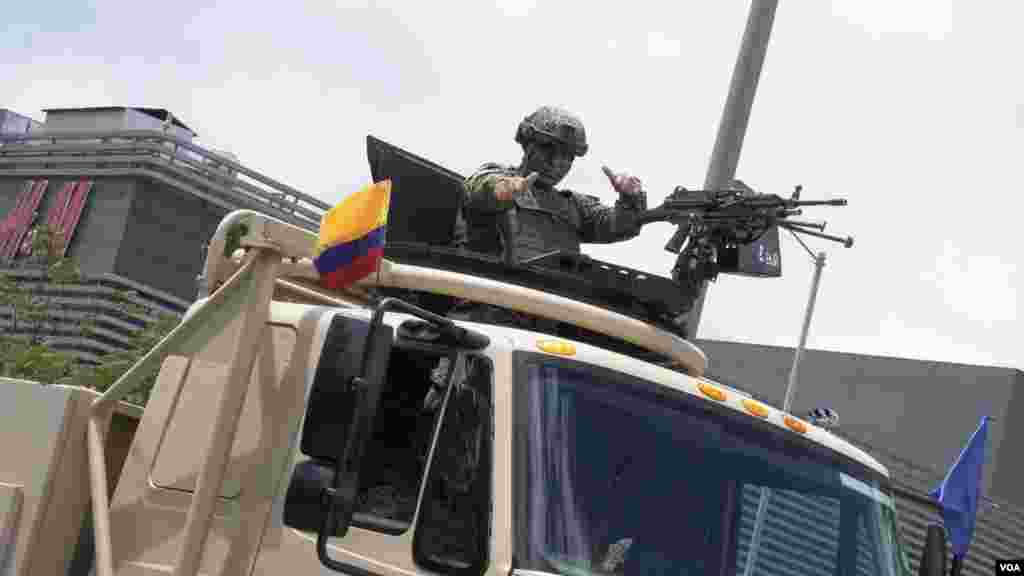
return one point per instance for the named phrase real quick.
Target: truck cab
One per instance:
(521, 453)
(576, 460)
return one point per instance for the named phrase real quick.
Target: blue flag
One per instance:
(960, 492)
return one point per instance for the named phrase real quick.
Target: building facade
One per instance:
(134, 200)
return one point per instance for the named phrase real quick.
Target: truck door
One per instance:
(424, 497)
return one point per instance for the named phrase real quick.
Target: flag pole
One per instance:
(959, 494)
(819, 263)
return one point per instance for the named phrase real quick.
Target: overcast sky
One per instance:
(913, 110)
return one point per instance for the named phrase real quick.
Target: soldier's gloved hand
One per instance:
(506, 187)
(624, 183)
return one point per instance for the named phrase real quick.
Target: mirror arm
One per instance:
(462, 336)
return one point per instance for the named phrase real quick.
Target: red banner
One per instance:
(63, 216)
(20, 220)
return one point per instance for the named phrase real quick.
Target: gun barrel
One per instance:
(835, 202)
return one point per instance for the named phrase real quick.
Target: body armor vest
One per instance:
(548, 221)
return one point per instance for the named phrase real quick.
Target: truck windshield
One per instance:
(617, 476)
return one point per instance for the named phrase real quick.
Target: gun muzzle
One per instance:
(835, 202)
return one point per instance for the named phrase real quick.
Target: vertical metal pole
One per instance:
(787, 403)
(733, 125)
(229, 410)
(762, 504)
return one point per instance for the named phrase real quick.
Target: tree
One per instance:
(36, 311)
(24, 349)
(115, 364)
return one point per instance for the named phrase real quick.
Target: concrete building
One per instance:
(135, 199)
(13, 123)
(114, 119)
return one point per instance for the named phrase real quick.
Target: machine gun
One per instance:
(717, 222)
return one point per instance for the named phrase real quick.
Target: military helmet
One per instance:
(551, 124)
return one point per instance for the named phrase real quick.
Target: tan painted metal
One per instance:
(547, 305)
(198, 326)
(296, 246)
(44, 495)
(40, 465)
(211, 474)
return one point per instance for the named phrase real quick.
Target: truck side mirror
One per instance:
(933, 557)
(339, 498)
(364, 390)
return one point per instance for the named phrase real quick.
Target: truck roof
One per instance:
(517, 339)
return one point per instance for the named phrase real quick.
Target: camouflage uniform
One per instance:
(549, 219)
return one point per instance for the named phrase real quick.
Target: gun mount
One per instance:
(717, 222)
(426, 198)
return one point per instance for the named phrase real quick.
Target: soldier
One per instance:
(549, 219)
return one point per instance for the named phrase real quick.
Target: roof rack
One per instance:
(296, 245)
(647, 297)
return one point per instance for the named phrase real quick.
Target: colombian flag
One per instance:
(351, 241)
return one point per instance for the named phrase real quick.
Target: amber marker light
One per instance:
(712, 392)
(756, 408)
(795, 425)
(558, 347)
